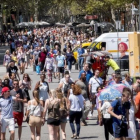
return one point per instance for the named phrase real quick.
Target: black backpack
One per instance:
(66, 89)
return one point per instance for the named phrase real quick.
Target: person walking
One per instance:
(65, 85)
(119, 110)
(53, 106)
(86, 69)
(41, 58)
(69, 58)
(107, 120)
(21, 59)
(7, 119)
(136, 91)
(127, 81)
(83, 84)
(76, 105)
(35, 113)
(18, 107)
(63, 113)
(49, 67)
(25, 84)
(43, 88)
(7, 59)
(12, 69)
(132, 123)
(80, 58)
(61, 64)
(94, 83)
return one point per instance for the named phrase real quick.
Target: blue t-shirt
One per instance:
(54, 51)
(13, 45)
(60, 60)
(119, 109)
(89, 74)
(80, 51)
(6, 106)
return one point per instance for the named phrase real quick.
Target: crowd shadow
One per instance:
(89, 137)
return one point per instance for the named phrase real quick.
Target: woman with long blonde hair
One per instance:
(63, 112)
(53, 106)
(35, 111)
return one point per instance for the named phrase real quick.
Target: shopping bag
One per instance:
(37, 69)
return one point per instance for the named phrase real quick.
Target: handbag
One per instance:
(28, 117)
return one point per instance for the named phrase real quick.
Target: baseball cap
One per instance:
(5, 89)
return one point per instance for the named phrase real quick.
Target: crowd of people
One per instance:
(71, 100)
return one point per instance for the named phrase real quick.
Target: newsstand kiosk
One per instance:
(134, 54)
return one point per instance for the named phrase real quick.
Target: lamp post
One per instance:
(134, 13)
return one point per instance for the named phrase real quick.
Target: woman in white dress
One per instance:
(132, 127)
(43, 88)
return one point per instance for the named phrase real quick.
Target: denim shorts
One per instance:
(137, 125)
(120, 130)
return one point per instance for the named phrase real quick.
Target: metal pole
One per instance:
(139, 15)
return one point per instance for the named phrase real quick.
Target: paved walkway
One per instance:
(92, 131)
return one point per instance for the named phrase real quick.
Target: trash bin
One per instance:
(76, 66)
(34, 67)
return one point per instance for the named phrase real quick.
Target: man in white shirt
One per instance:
(94, 83)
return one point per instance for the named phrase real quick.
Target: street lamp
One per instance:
(134, 13)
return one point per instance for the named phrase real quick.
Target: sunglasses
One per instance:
(15, 83)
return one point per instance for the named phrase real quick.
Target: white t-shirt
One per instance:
(104, 108)
(77, 102)
(94, 84)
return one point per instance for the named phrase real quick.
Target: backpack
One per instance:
(66, 89)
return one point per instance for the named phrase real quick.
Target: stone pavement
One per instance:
(90, 132)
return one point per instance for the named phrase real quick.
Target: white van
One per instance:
(110, 41)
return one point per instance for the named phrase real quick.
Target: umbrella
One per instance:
(83, 25)
(118, 87)
(22, 24)
(45, 23)
(69, 24)
(105, 24)
(59, 24)
(109, 93)
(30, 23)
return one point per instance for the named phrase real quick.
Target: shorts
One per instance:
(93, 98)
(18, 116)
(63, 120)
(61, 69)
(35, 121)
(137, 125)
(120, 130)
(52, 121)
(22, 60)
(54, 68)
(7, 122)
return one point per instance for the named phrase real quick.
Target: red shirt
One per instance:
(137, 102)
(42, 56)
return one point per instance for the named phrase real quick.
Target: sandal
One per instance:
(73, 136)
